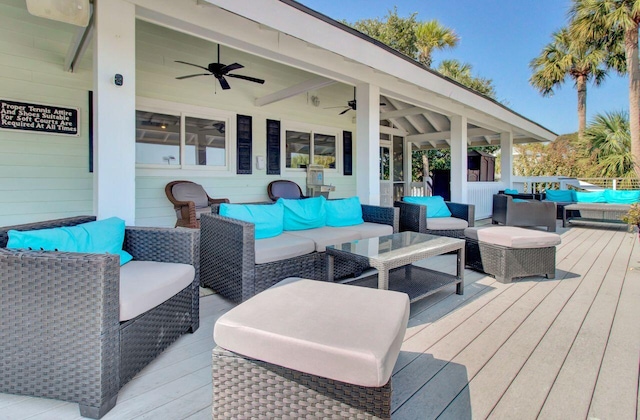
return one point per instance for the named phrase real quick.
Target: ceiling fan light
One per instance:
(75, 12)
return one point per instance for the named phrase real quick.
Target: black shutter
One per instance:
(347, 153)
(243, 145)
(273, 147)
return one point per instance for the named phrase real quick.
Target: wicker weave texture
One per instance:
(413, 217)
(245, 388)
(227, 256)
(60, 335)
(507, 263)
(595, 214)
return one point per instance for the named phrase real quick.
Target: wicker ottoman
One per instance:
(506, 252)
(309, 349)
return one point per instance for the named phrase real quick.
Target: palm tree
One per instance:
(615, 23)
(461, 72)
(609, 142)
(431, 36)
(569, 56)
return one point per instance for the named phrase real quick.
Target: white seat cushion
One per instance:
(513, 237)
(326, 235)
(325, 329)
(446, 223)
(370, 230)
(282, 247)
(146, 284)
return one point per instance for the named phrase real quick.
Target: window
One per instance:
(306, 146)
(185, 139)
(157, 138)
(205, 142)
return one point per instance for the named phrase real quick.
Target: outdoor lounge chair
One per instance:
(533, 213)
(190, 200)
(283, 188)
(61, 334)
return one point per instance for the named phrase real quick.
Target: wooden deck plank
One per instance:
(617, 382)
(488, 386)
(570, 395)
(527, 393)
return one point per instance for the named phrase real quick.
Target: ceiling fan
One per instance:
(219, 70)
(350, 104)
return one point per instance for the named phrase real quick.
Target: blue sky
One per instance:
(499, 38)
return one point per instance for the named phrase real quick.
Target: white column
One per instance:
(506, 158)
(114, 110)
(459, 193)
(368, 143)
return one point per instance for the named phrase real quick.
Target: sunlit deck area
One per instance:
(536, 348)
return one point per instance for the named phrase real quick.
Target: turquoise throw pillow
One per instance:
(345, 212)
(267, 218)
(308, 213)
(590, 197)
(621, 196)
(511, 191)
(560, 196)
(99, 237)
(436, 207)
(519, 200)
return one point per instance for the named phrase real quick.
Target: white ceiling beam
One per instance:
(446, 135)
(414, 110)
(306, 86)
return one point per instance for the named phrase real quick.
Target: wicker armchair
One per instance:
(283, 188)
(532, 213)
(413, 217)
(61, 335)
(190, 200)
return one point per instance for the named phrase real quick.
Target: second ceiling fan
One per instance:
(219, 70)
(352, 104)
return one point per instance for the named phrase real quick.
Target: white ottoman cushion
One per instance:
(513, 237)
(346, 333)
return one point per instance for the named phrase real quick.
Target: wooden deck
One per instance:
(565, 348)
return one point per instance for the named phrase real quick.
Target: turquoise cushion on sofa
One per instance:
(99, 237)
(267, 218)
(560, 196)
(621, 196)
(590, 197)
(511, 191)
(308, 213)
(436, 207)
(345, 212)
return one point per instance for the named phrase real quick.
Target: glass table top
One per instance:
(386, 246)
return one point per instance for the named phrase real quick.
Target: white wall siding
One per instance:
(41, 176)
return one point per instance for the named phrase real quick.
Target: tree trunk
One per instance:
(581, 84)
(633, 68)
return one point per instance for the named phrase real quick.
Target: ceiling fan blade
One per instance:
(333, 107)
(193, 75)
(190, 64)
(223, 83)
(251, 79)
(231, 67)
(345, 111)
(383, 104)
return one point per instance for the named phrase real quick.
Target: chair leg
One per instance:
(98, 412)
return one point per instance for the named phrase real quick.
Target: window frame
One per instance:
(312, 130)
(193, 111)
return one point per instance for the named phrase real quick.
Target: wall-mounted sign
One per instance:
(41, 118)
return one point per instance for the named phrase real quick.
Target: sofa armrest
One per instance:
(463, 211)
(383, 215)
(64, 304)
(413, 217)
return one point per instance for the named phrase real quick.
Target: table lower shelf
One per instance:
(423, 282)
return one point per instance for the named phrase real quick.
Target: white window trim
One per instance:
(186, 110)
(311, 129)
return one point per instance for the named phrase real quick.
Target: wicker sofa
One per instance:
(61, 336)
(228, 251)
(413, 217)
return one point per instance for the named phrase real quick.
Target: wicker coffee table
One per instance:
(393, 255)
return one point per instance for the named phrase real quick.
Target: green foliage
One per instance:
(397, 32)
(438, 159)
(632, 218)
(608, 141)
(431, 36)
(461, 72)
